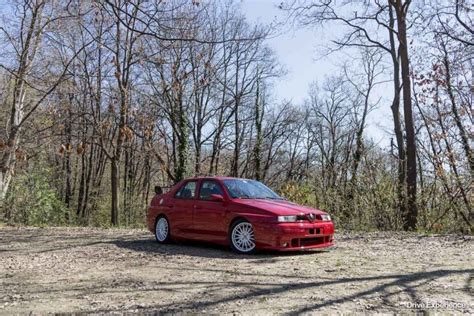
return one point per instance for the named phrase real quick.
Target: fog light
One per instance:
(285, 244)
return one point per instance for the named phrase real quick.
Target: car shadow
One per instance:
(201, 249)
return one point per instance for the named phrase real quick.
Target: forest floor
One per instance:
(114, 270)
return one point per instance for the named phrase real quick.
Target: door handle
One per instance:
(197, 207)
(170, 206)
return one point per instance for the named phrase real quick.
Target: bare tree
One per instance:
(31, 27)
(364, 23)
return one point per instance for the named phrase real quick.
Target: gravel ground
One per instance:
(106, 270)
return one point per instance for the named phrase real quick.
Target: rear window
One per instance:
(187, 191)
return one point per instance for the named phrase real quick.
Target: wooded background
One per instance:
(102, 100)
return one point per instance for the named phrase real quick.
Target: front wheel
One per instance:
(242, 238)
(162, 230)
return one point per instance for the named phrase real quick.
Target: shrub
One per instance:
(34, 200)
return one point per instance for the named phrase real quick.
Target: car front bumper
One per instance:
(294, 236)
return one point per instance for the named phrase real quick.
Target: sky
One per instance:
(298, 49)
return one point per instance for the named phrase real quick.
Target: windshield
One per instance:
(249, 189)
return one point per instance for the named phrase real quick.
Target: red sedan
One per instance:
(242, 213)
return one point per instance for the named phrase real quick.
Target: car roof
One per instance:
(215, 177)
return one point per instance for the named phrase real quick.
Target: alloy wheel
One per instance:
(162, 230)
(242, 237)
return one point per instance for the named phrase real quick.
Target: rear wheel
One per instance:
(242, 238)
(162, 230)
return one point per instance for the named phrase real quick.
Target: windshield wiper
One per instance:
(244, 196)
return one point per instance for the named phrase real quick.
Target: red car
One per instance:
(242, 213)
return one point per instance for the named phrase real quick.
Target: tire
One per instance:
(242, 237)
(162, 230)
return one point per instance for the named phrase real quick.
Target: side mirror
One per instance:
(217, 198)
(158, 189)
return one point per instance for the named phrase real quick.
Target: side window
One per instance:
(209, 187)
(187, 191)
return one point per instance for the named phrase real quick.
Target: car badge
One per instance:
(311, 217)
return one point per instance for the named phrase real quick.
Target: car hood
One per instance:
(278, 207)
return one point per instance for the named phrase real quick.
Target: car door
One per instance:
(209, 216)
(181, 209)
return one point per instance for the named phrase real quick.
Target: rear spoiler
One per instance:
(159, 189)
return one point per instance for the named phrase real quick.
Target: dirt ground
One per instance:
(101, 271)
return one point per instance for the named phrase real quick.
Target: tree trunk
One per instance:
(395, 107)
(80, 196)
(235, 160)
(29, 46)
(67, 157)
(412, 210)
(5, 179)
(114, 182)
(454, 168)
(359, 141)
(237, 99)
(126, 187)
(457, 118)
(183, 143)
(257, 151)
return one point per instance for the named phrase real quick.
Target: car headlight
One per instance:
(326, 217)
(283, 219)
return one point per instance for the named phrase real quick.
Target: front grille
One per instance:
(301, 217)
(305, 218)
(314, 241)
